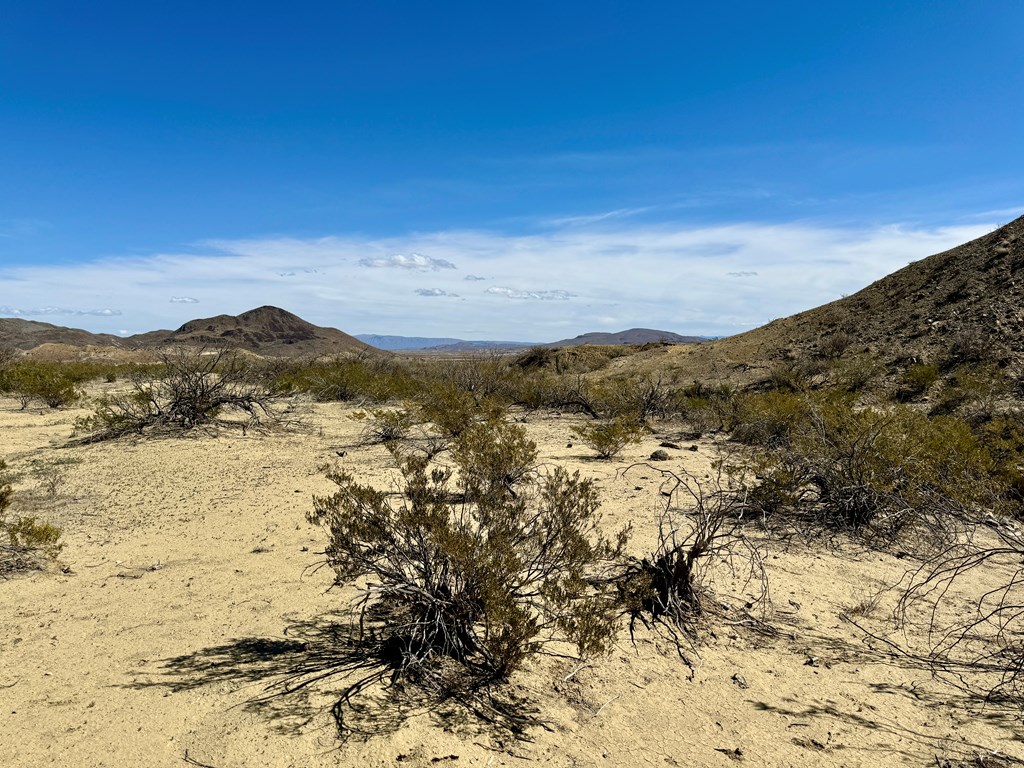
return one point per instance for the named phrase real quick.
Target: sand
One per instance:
(187, 560)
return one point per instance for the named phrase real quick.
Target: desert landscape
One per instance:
(191, 616)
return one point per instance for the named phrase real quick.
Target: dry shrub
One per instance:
(494, 458)
(982, 650)
(197, 388)
(701, 530)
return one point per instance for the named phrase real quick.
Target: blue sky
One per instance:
(600, 165)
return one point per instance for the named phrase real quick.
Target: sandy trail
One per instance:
(186, 560)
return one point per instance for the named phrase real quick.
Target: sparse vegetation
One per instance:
(26, 543)
(608, 438)
(465, 590)
(197, 388)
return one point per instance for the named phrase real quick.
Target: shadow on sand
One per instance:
(335, 663)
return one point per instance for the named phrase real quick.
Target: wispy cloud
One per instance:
(512, 293)
(434, 292)
(183, 300)
(474, 278)
(41, 311)
(541, 285)
(415, 261)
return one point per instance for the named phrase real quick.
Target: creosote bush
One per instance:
(885, 471)
(51, 384)
(465, 587)
(26, 543)
(608, 438)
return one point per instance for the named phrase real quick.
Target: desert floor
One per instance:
(188, 584)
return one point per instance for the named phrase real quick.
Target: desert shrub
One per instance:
(635, 398)
(770, 418)
(917, 380)
(346, 379)
(970, 346)
(39, 381)
(51, 475)
(494, 458)
(835, 344)
(25, 542)
(453, 410)
(608, 438)
(471, 588)
(885, 472)
(701, 529)
(384, 425)
(704, 407)
(981, 650)
(855, 373)
(974, 393)
(584, 358)
(198, 388)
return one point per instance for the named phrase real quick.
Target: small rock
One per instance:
(667, 444)
(740, 681)
(660, 455)
(692, 448)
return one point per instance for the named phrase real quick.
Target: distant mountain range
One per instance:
(414, 343)
(273, 332)
(632, 336)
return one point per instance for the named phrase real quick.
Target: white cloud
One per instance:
(183, 300)
(620, 273)
(416, 261)
(434, 292)
(742, 273)
(474, 277)
(512, 293)
(59, 311)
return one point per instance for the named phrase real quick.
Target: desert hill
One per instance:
(631, 336)
(961, 304)
(26, 334)
(265, 330)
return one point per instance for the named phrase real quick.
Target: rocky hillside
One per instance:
(27, 334)
(963, 304)
(266, 331)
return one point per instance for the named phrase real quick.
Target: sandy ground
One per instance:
(187, 560)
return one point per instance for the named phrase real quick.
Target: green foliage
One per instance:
(384, 425)
(484, 582)
(917, 380)
(888, 470)
(452, 409)
(494, 458)
(25, 542)
(346, 379)
(770, 418)
(704, 407)
(51, 384)
(608, 438)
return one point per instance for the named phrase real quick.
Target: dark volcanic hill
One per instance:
(963, 302)
(266, 331)
(632, 336)
(28, 334)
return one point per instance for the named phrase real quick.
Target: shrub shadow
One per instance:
(336, 658)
